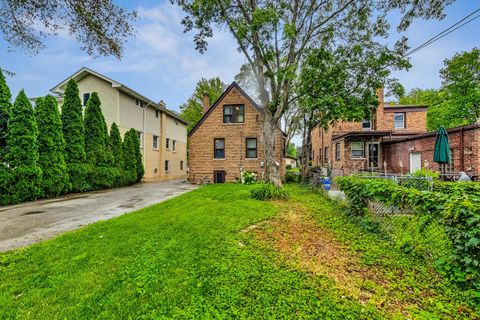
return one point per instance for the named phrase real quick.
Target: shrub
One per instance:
(74, 132)
(248, 177)
(292, 175)
(268, 191)
(458, 213)
(140, 171)
(129, 162)
(22, 154)
(96, 144)
(5, 105)
(458, 188)
(117, 154)
(51, 147)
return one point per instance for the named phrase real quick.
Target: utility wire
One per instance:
(445, 32)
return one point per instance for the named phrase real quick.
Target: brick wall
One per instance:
(201, 146)
(399, 152)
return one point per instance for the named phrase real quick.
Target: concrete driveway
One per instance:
(27, 223)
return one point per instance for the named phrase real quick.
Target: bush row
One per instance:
(44, 154)
(458, 211)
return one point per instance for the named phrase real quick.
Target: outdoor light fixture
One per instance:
(262, 164)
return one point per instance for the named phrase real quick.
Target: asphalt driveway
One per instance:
(27, 223)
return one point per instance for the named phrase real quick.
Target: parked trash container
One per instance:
(326, 183)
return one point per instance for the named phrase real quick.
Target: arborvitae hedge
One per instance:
(23, 151)
(51, 147)
(5, 172)
(117, 154)
(96, 147)
(74, 135)
(129, 158)
(138, 157)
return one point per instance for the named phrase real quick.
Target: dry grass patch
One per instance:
(306, 246)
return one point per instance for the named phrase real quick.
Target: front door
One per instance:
(219, 176)
(373, 149)
(415, 161)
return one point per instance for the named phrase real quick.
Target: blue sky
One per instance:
(161, 62)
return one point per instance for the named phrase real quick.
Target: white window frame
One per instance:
(369, 124)
(155, 142)
(337, 151)
(167, 143)
(139, 103)
(404, 116)
(352, 150)
(174, 145)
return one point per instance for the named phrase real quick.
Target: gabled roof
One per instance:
(230, 87)
(84, 72)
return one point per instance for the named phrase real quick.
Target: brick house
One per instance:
(228, 139)
(348, 147)
(411, 153)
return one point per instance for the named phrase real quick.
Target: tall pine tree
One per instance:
(74, 135)
(129, 158)
(117, 154)
(96, 145)
(5, 172)
(51, 146)
(22, 154)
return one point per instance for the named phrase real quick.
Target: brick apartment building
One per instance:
(358, 146)
(228, 139)
(394, 140)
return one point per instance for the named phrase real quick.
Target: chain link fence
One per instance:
(399, 224)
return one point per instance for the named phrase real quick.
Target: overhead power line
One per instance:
(467, 19)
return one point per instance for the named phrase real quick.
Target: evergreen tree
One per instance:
(96, 145)
(117, 154)
(74, 135)
(5, 172)
(129, 162)
(5, 105)
(138, 156)
(51, 147)
(23, 151)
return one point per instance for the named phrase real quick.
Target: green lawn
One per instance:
(191, 257)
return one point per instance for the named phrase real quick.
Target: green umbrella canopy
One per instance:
(441, 153)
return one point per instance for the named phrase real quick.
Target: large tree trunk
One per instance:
(272, 165)
(306, 150)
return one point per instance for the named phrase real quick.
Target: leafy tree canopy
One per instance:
(457, 102)
(100, 27)
(291, 150)
(276, 36)
(192, 110)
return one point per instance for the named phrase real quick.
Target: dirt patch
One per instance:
(297, 236)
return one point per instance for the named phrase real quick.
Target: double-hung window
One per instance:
(326, 154)
(337, 151)
(357, 149)
(174, 145)
(251, 151)
(399, 120)
(167, 143)
(233, 114)
(155, 142)
(167, 166)
(219, 148)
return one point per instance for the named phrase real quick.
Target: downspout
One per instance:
(462, 165)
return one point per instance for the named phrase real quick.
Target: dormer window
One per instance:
(399, 120)
(233, 113)
(366, 125)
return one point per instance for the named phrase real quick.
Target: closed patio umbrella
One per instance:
(441, 154)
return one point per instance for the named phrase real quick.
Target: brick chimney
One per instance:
(206, 102)
(379, 114)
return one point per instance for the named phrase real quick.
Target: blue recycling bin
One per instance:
(326, 183)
